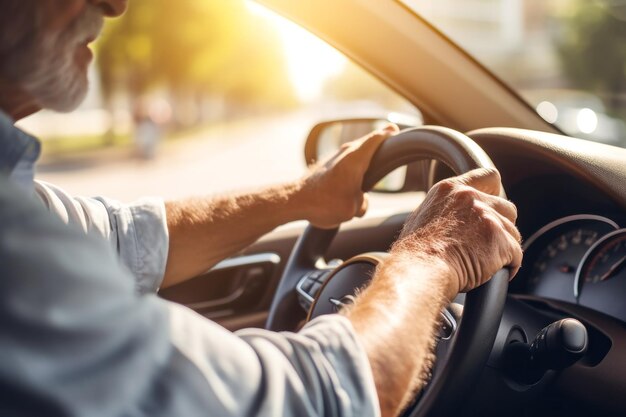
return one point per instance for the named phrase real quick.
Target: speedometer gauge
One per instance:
(601, 277)
(553, 253)
(607, 259)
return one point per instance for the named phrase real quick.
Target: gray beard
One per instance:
(50, 75)
(46, 68)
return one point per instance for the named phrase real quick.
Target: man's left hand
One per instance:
(331, 192)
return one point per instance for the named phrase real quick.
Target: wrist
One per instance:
(297, 202)
(304, 200)
(433, 270)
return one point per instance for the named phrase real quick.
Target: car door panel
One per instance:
(237, 292)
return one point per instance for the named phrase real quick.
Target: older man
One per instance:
(84, 334)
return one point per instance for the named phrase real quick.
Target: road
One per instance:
(241, 155)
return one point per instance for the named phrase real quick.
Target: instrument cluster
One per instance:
(580, 259)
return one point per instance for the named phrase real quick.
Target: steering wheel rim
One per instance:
(483, 306)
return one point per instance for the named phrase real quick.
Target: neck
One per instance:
(15, 102)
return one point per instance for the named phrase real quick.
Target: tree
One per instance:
(592, 49)
(194, 48)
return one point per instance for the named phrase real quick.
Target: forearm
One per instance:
(395, 318)
(203, 231)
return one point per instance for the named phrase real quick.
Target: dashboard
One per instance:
(571, 200)
(570, 196)
(580, 259)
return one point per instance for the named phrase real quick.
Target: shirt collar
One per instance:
(15, 146)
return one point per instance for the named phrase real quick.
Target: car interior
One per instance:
(552, 342)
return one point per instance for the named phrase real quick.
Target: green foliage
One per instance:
(209, 47)
(593, 49)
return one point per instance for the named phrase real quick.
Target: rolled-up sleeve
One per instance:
(78, 341)
(136, 231)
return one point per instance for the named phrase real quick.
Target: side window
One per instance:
(222, 100)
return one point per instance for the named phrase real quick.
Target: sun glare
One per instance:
(311, 62)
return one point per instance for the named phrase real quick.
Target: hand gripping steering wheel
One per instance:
(466, 352)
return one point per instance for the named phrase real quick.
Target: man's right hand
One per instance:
(464, 225)
(455, 241)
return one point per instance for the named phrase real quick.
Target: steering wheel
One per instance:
(468, 346)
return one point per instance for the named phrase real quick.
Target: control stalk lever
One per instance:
(556, 347)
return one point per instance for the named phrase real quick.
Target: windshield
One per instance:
(567, 58)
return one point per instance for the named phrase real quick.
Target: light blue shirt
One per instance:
(78, 339)
(136, 231)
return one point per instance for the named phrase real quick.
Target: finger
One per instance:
(364, 206)
(510, 246)
(510, 228)
(391, 127)
(498, 220)
(516, 257)
(370, 143)
(486, 180)
(502, 206)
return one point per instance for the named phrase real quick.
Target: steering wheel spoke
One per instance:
(309, 286)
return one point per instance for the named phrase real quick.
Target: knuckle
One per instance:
(491, 222)
(479, 208)
(512, 208)
(445, 186)
(492, 173)
(465, 194)
(491, 227)
(513, 230)
(495, 173)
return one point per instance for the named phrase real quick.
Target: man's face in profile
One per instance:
(44, 47)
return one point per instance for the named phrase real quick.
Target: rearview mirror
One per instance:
(326, 138)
